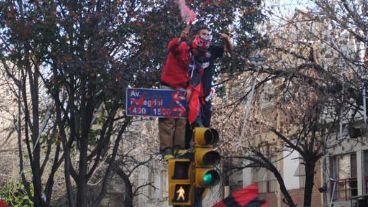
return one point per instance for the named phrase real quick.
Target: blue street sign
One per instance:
(155, 102)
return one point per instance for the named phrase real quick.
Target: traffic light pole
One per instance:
(198, 197)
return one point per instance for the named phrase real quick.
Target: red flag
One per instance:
(3, 204)
(194, 104)
(243, 198)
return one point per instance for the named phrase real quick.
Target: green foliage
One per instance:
(120, 40)
(239, 19)
(15, 195)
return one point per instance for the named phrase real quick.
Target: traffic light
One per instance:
(180, 174)
(205, 157)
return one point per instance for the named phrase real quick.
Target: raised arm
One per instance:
(228, 42)
(175, 42)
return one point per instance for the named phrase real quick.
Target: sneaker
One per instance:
(168, 157)
(181, 152)
(167, 154)
(184, 153)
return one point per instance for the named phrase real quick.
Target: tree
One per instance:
(75, 50)
(313, 78)
(27, 81)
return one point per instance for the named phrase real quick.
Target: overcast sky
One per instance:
(281, 10)
(287, 7)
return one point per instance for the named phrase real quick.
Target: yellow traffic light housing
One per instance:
(180, 175)
(206, 157)
(205, 136)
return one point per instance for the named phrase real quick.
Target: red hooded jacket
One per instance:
(175, 72)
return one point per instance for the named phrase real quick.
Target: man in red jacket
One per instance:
(174, 76)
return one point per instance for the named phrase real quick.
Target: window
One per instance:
(300, 171)
(266, 181)
(343, 170)
(365, 173)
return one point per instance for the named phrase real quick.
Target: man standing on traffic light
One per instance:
(203, 55)
(201, 66)
(174, 76)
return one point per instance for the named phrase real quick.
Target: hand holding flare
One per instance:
(187, 15)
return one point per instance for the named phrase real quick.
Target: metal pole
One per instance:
(326, 174)
(364, 106)
(333, 192)
(340, 125)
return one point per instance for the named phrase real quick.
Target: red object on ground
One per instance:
(243, 197)
(3, 204)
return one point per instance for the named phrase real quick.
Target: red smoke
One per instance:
(187, 15)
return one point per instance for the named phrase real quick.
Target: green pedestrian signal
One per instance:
(180, 178)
